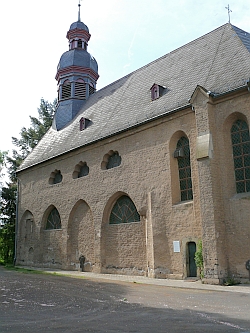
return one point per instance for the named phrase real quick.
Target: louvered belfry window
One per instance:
(185, 169)
(80, 89)
(241, 154)
(91, 89)
(66, 90)
(124, 211)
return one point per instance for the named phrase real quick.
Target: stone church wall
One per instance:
(148, 174)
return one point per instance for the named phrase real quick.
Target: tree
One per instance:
(2, 163)
(29, 137)
(8, 217)
(39, 126)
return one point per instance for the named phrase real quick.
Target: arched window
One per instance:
(241, 154)
(66, 89)
(80, 89)
(79, 43)
(182, 153)
(53, 220)
(111, 160)
(124, 211)
(114, 160)
(84, 171)
(81, 170)
(55, 177)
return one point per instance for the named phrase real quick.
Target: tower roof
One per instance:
(77, 57)
(79, 25)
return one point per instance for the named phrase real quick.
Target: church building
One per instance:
(136, 175)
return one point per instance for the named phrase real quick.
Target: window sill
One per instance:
(183, 203)
(239, 196)
(52, 230)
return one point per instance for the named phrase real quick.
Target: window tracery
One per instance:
(53, 220)
(124, 211)
(241, 155)
(182, 153)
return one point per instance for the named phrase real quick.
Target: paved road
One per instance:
(49, 303)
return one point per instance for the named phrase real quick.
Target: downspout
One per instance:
(146, 236)
(150, 239)
(16, 224)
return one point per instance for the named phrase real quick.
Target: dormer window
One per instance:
(83, 123)
(154, 92)
(157, 91)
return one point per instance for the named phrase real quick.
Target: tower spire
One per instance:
(79, 11)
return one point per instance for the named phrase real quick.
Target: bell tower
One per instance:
(77, 74)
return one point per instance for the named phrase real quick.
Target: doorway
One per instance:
(191, 265)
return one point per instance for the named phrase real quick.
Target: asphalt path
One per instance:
(46, 303)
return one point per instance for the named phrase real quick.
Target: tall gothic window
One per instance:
(53, 220)
(182, 153)
(124, 211)
(241, 154)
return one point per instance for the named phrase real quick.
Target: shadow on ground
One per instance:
(48, 303)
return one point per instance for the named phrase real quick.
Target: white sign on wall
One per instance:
(176, 245)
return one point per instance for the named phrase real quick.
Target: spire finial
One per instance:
(79, 11)
(228, 11)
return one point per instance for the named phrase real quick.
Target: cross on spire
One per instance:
(228, 11)
(79, 11)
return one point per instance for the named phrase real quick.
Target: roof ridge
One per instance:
(164, 56)
(243, 36)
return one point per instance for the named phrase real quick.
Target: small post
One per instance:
(82, 261)
(248, 267)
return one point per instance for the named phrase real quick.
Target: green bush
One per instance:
(198, 257)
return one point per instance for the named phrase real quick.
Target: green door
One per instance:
(192, 269)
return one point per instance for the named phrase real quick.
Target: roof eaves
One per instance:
(167, 112)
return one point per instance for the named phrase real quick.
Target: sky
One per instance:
(125, 35)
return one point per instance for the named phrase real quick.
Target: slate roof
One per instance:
(77, 57)
(218, 61)
(79, 25)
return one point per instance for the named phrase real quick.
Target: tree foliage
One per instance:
(198, 257)
(8, 217)
(29, 138)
